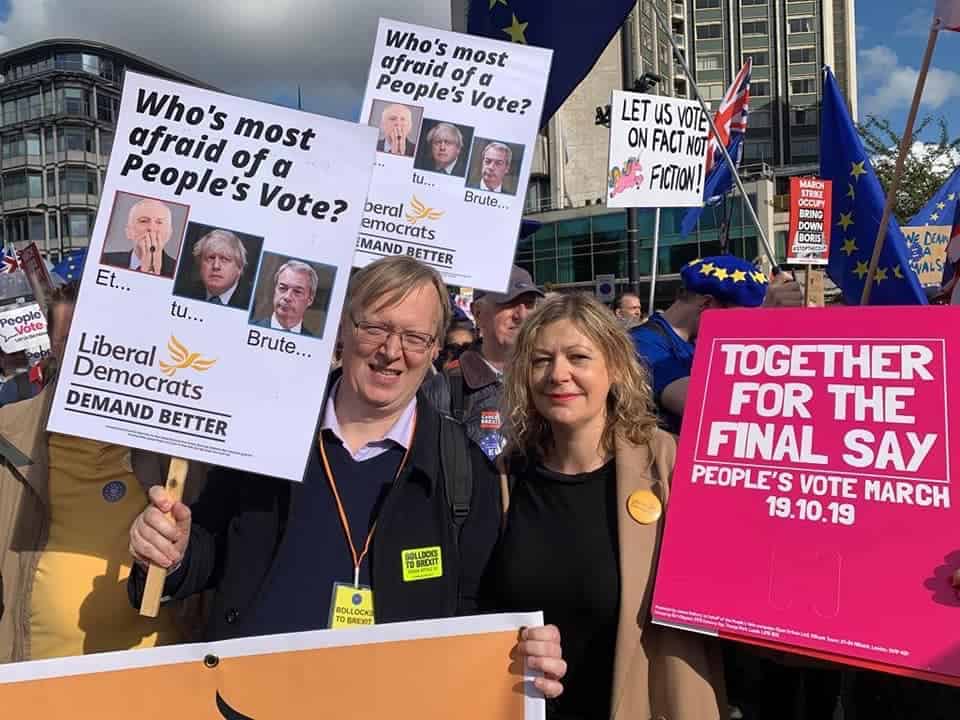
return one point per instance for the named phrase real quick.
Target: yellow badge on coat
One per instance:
(644, 507)
(422, 563)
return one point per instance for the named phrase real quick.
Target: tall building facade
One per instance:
(59, 101)
(788, 41)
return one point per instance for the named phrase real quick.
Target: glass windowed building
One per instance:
(569, 252)
(58, 104)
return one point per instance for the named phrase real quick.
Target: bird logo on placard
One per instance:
(422, 212)
(182, 359)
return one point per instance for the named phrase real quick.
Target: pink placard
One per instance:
(811, 504)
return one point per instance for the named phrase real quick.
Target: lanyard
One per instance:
(358, 559)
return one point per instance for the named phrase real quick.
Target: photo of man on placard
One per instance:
(144, 234)
(218, 266)
(292, 295)
(398, 123)
(494, 166)
(444, 148)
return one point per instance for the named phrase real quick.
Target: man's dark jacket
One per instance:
(239, 299)
(240, 519)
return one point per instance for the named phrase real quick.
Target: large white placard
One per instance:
(658, 146)
(215, 278)
(457, 117)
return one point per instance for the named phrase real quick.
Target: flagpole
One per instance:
(723, 148)
(653, 266)
(905, 145)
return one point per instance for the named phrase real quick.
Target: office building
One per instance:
(59, 101)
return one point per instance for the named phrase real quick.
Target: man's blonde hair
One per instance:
(630, 410)
(387, 282)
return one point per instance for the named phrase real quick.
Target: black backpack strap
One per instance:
(457, 470)
(457, 403)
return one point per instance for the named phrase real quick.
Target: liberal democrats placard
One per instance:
(215, 278)
(456, 119)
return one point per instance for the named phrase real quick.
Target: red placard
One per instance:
(810, 201)
(811, 505)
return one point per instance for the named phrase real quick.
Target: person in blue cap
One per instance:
(665, 341)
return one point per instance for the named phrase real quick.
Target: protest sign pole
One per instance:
(653, 262)
(807, 283)
(906, 143)
(156, 575)
(767, 248)
(633, 216)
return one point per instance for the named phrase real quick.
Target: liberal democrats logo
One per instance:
(419, 211)
(182, 359)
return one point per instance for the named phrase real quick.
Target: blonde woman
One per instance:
(585, 480)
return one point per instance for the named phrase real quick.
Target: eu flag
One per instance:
(858, 202)
(576, 32)
(719, 183)
(942, 209)
(70, 266)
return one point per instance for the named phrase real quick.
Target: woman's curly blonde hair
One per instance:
(630, 410)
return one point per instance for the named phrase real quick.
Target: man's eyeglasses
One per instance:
(373, 334)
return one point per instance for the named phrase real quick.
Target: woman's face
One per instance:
(569, 380)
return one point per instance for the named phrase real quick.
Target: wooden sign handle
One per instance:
(156, 575)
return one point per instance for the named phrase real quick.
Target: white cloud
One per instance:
(888, 85)
(927, 153)
(247, 47)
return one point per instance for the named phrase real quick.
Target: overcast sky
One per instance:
(254, 48)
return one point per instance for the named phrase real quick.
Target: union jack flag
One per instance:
(731, 117)
(11, 261)
(731, 122)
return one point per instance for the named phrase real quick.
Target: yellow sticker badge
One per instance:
(351, 606)
(421, 563)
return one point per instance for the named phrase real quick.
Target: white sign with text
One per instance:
(215, 278)
(658, 147)
(457, 118)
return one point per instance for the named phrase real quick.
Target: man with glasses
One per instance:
(369, 535)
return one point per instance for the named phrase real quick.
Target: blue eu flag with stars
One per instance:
(858, 202)
(70, 266)
(576, 32)
(942, 209)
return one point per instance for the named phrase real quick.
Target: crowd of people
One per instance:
(531, 448)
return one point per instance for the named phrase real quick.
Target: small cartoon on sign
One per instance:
(629, 177)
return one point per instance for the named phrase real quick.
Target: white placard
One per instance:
(22, 326)
(457, 117)
(658, 146)
(153, 361)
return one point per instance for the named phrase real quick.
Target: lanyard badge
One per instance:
(351, 605)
